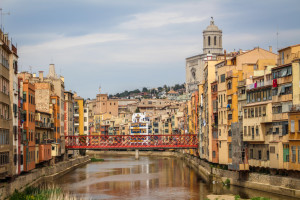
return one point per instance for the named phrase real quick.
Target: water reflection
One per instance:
(147, 178)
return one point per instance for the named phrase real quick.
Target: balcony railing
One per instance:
(241, 83)
(294, 107)
(229, 74)
(259, 84)
(44, 125)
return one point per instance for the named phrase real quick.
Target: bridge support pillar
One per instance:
(136, 154)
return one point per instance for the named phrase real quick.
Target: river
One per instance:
(124, 177)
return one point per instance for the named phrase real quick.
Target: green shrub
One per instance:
(237, 197)
(226, 182)
(97, 160)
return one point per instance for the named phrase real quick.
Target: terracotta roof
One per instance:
(172, 92)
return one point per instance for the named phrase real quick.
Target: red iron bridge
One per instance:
(111, 142)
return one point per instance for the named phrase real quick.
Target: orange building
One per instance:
(29, 125)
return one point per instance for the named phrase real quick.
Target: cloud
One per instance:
(63, 42)
(158, 19)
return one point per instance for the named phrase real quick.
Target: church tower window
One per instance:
(208, 40)
(215, 40)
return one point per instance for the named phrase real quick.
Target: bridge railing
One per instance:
(131, 141)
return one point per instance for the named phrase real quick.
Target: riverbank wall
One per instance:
(287, 186)
(41, 174)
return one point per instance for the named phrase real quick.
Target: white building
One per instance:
(140, 124)
(86, 119)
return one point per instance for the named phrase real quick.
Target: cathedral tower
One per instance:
(212, 39)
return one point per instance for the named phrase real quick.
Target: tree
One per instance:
(145, 89)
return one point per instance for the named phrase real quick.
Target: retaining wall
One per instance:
(41, 174)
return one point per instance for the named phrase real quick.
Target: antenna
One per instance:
(2, 14)
(30, 68)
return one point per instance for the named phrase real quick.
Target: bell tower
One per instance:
(212, 39)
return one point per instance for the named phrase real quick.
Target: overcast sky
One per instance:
(129, 44)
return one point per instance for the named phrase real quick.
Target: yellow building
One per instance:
(231, 74)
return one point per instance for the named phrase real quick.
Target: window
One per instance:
(24, 96)
(292, 126)
(229, 85)
(245, 130)
(257, 133)
(256, 111)
(272, 149)
(245, 113)
(215, 40)
(293, 154)
(282, 58)
(286, 153)
(251, 153)
(85, 128)
(259, 111)
(298, 154)
(264, 111)
(85, 111)
(214, 154)
(4, 158)
(85, 119)
(222, 77)
(268, 155)
(252, 112)
(230, 150)
(259, 154)
(208, 40)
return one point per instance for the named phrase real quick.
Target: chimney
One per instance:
(240, 51)
(41, 75)
(225, 57)
(270, 49)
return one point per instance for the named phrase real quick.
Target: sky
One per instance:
(128, 44)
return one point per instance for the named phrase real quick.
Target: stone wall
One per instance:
(287, 186)
(41, 174)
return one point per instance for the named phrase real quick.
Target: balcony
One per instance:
(283, 80)
(242, 97)
(259, 85)
(280, 117)
(229, 74)
(294, 136)
(241, 83)
(294, 108)
(265, 119)
(281, 98)
(43, 125)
